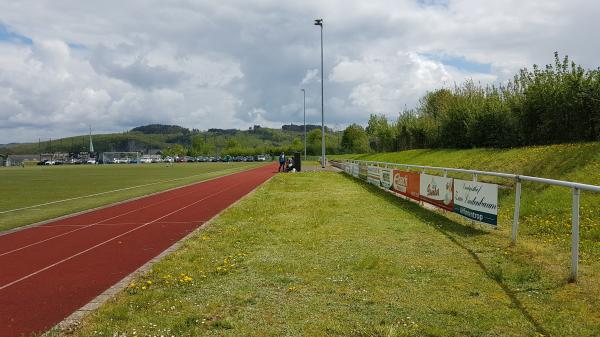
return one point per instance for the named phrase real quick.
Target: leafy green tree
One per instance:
(355, 140)
(381, 134)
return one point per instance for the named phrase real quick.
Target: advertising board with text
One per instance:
(355, 170)
(348, 168)
(373, 175)
(476, 201)
(407, 184)
(386, 177)
(437, 191)
(362, 171)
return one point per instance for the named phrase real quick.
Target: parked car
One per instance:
(146, 160)
(261, 157)
(168, 160)
(91, 161)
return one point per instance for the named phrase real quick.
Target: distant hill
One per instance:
(160, 129)
(155, 137)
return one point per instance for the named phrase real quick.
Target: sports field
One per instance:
(25, 192)
(51, 270)
(322, 254)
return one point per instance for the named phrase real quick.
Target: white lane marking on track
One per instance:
(100, 193)
(125, 223)
(89, 225)
(109, 240)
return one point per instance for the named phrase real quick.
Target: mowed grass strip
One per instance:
(23, 187)
(321, 254)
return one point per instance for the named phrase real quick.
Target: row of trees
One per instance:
(555, 104)
(200, 144)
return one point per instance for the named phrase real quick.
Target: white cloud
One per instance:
(311, 76)
(230, 64)
(383, 85)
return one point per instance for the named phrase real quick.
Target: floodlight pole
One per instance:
(319, 22)
(304, 104)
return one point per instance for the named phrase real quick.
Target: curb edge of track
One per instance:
(73, 321)
(66, 216)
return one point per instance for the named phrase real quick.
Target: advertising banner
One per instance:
(437, 191)
(407, 184)
(355, 170)
(386, 178)
(373, 175)
(476, 201)
(348, 168)
(362, 171)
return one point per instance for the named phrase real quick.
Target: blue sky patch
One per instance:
(433, 3)
(7, 35)
(460, 62)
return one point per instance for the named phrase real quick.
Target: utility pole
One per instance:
(319, 22)
(304, 104)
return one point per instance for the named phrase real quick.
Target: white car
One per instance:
(91, 161)
(168, 160)
(261, 157)
(146, 160)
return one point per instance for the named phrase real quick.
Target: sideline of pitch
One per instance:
(17, 229)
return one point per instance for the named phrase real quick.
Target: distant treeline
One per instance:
(161, 129)
(559, 103)
(171, 139)
(300, 128)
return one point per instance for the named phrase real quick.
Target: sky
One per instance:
(114, 65)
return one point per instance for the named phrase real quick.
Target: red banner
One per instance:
(407, 184)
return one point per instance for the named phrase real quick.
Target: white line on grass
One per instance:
(100, 193)
(109, 240)
(93, 224)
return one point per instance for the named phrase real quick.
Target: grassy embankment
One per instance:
(346, 259)
(545, 210)
(24, 187)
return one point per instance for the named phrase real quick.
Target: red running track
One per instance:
(49, 271)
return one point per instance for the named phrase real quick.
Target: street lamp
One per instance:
(319, 22)
(304, 103)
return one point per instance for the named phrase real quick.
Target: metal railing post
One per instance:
(575, 236)
(515, 226)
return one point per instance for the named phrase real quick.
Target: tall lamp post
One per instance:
(319, 22)
(304, 104)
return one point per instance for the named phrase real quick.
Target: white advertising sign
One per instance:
(386, 177)
(437, 191)
(476, 201)
(373, 175)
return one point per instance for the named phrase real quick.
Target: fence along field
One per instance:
(473, 200)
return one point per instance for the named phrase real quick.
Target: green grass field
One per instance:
(24, 187)
(545, 210)
(346, 259)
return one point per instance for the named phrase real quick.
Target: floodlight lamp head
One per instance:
(319, 22)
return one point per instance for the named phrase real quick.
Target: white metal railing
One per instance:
(575, 187)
